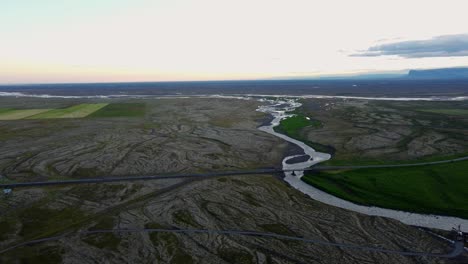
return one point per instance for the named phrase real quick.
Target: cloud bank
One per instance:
(440, 46)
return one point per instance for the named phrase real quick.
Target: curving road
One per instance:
(457, 249)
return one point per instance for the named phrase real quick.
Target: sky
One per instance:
(55, 41)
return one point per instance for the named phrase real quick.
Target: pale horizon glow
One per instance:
(53, 41)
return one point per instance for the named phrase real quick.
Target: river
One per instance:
(280, 109)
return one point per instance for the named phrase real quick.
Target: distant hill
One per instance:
(443, 73)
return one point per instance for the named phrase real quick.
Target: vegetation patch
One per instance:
(96, 193)
(5, 110)
(121, 110)
(431, 189)
(184, 216)
(87, 172)
(292, 126)
(7, 227)
(225, 121)
(37, 254)
(278, 229)
(104, 240)
(76, 111)
(234, 255)
(250, 199)
(11, 114)
(105, 222)
(239, 182)
(446, 111)
(38, 221)
(170, 242)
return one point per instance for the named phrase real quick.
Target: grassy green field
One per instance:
(121, 110)
(101, 110)
(76, 111)
(438, 189)
(446, 111)
(5, 110)
(292, 126)
(11, 114)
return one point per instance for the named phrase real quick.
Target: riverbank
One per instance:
(280, 110)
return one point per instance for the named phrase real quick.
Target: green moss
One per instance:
(7, 135)
(151, 125)
(184, 216)
(153, 225)
(170, 243)
(37, 254)
(105, 222)
(181, 258)
(234, 255)
(225, 121)
(37, 221)
(87, 172)
(7, 227)
(103, 240)
(53, 172)
(239, 182)
(278, 229)
(97, 193)
(250, 199)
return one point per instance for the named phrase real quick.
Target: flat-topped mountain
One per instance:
(442, 73)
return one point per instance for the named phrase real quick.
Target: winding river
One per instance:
(280, 109)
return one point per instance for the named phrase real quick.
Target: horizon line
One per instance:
(396, 74)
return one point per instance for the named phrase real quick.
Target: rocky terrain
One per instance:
(368, 130)
(175, 135)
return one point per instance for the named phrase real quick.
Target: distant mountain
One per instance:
(442, 73)
(365, 76)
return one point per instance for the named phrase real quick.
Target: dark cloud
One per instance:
(441, 46)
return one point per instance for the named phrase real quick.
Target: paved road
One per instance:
(139, 178)
(457, 249)
(390, 165)
(211, 174)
